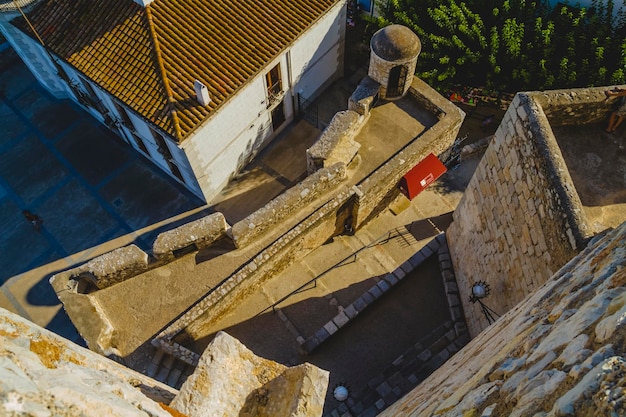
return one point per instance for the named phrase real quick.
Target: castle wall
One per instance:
(520, 218)
(313, 231)
(560, 352)
(380, 188)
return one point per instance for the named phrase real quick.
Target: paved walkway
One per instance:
(93, 192)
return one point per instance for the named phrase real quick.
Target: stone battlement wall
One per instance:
(520, 218)
(558, 353)
(309, 234)
(380, 188)
(309, 214)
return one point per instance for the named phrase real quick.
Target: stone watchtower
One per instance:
(393, 58)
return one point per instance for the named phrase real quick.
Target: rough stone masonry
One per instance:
(561, 352)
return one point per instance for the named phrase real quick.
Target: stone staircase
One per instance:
(169, 370)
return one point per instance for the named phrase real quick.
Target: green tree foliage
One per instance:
(514, 45)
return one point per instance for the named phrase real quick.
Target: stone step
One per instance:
(187, 371)
(165, 368)
(169, 370)
(173, 377)
(153, 367)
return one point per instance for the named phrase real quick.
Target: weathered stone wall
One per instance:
(380, 188)
(231, 381)
(287, 204)
(520, 218)
(322, 224)
(364, 96)
(336, 144)
(560, 352)
(42, 374)
(575, 107)
(197, 234)
(110, 268)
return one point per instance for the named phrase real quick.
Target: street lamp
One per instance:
(481, 290)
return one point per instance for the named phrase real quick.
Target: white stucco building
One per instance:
(199, 86)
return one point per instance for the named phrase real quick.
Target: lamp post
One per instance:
(481, 290)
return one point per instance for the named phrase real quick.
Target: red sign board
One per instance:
(421, 176)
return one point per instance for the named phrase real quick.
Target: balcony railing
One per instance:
(274, 94)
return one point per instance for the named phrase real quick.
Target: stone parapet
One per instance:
(112, 267)
(575, 106)
(196, 235)
(380, 188)
(286, 204)
(364, 97)
(336, 144)
(520, 218)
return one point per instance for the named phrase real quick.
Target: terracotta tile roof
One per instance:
(149, 57)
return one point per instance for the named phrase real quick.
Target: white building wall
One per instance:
(244, 124)
(317, 56)
(223, 144)
(34, 56)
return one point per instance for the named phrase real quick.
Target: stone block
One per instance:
(351, 311)
(363, 97)
(199, 233)
(368, 298)
(113, 267)
(425, 355)
(407, 267)
(383, 389)
(203, 393)
(451, 287)
(417, 259)
(341, 319)
(384, 286)
(310, 344)
(399, 273)
(359, 304)
(375, 292)
(321, 335)
(456, 314)
(391, 279)
(331, 328)
(336, 144)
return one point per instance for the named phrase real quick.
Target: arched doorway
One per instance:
(397, 78)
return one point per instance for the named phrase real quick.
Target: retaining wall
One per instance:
(520, 218)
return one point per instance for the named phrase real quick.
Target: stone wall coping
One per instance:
(558, 174)
(199, 233)
(255, 265)
(287, 204)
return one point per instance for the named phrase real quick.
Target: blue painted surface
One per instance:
(58, 162)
